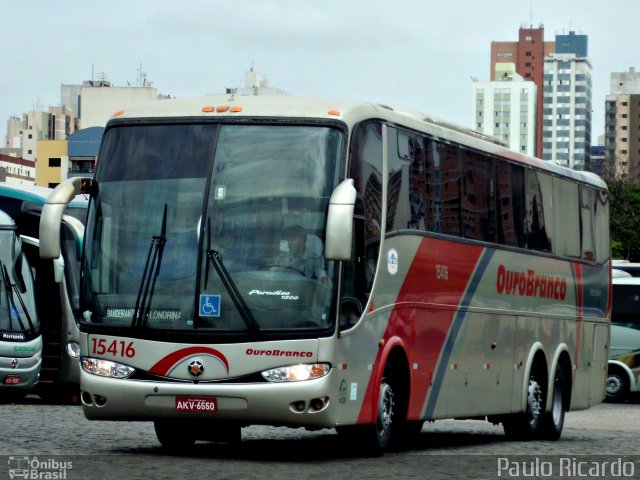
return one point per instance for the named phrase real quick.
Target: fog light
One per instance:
(298, 406)
(318, 404)
(86, 398)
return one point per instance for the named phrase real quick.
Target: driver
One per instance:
(299, 257)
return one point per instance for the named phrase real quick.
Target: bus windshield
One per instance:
(17, 311)
(211, 226)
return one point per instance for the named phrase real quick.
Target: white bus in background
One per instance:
(623, 376)
(20, 333)
(327, 264)
(56, 284)
(632, 268)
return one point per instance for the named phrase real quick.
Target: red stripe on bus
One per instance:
(164, 366)
(423, 330)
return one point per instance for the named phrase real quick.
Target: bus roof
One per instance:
(285, 106)
(36, 194)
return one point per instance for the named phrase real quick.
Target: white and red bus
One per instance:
(324, 264)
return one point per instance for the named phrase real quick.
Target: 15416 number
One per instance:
(115, 347)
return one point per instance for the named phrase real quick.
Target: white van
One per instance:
(624, 349)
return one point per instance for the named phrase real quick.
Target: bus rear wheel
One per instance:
(553, 420)
(526, 425)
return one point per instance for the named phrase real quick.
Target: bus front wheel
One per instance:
(173, 436)
(373, 440)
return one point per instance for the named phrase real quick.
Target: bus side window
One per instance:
(357, 281)
(538, 228)
(587, 207)
(510, 204)
(478, 196)
(601, 216)
(450, 189)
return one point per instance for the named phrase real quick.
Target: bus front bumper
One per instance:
(309, 403)
(24, 377)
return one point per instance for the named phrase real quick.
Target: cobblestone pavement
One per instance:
(445, 449)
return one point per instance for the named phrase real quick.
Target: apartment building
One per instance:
(622, 126)
(506, 109)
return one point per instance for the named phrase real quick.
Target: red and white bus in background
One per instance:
(324, 264)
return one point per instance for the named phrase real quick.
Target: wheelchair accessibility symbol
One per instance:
(209, 305)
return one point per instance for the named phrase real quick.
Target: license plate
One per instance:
(12, 379)
(196, 404)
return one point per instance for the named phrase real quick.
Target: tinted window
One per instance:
(478, 208)
(510, 204)
(626, 304)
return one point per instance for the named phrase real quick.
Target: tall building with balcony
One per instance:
(567, 110)
(528, 55)
(506, 109)
(622, 126)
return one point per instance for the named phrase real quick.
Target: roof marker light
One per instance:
(208, 109)
(335, 113)
(236, 109)
(118, 113)
(222, 108)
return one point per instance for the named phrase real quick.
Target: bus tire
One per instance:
(525, 426)
(617, 385)
(373, 440)
(386, 416)
(553, 420)
(173, 436)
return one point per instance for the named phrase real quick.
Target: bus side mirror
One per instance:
(51, 217)
(340, 222)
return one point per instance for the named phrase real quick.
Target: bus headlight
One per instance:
(296, 373)
(73, 349)
(105, 368)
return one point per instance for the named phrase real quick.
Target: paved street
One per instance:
(445, 449)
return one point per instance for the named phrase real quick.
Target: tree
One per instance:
(624, 204)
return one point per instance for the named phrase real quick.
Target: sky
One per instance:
(419, 54)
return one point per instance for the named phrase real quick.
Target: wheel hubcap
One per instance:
(614, 385)
(534, 401)
(385, 409)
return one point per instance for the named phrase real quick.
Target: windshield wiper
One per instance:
(150, 275)
(215, 258)
(11, 307)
